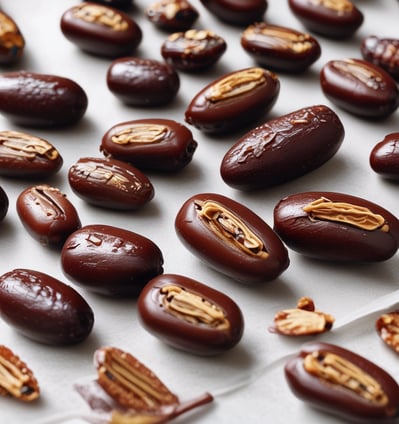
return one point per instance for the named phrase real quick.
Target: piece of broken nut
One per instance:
(387, 326)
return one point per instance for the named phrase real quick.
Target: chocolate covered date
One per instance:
(189, 315)
(110, 183)
(142, 82)
(283, 148)
(12, 42)
(343, 383)
(233, 100)
(280, 48)
(237, 12)
(24, 155)
(384, 157)
(4, 203)
(101, 30)
(360, 88)
(150, 144)
(231, 238)
(43, 308)
(336, 19)
(336, 227)
(110, 260)
(41, 100)
(47, 214)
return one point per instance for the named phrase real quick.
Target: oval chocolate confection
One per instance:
(360, 88)
(280, 48)
(193, 50)
(343, 383)
(101, 30)
(233, 100)
(47, 214)
(231, 238)
(43, 308)
(190, 315)
(336, 19)
(336, 227)
(41, 100)
(383, 52)
(150, 144)
(237, 12)
(142, 82)
(384, 157)
(12, 42)
(283, 148)
(172, 15)
(110, 183)
(24, 155)
(4, 204)
(110, 260)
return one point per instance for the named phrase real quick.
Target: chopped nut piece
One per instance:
(387, 326)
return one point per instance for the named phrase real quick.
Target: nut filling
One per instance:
(340, 6)
(9, 33)
(102, 16)
(358, 216)
(148, 134)
(335, 370)
(237, 84)
(230, 228)
(193, 308)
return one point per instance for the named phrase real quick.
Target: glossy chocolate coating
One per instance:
(47, 214)
(43, 308)
(172, 15)
(143, 82)
(101, 30)
(221, 241)
(237, 12)
(110, 183)
(193, 50)
(24, 155)
(233, 100)
(119, 4)
(41, 100)
(150, 144)
(336, 20)
(383, 52)
(4, 204)
(359, 87)
(336, 399)
(283, 148)
(191, 333)
(110, 260)
(384, 157)
(280, 48)
(12, 42)
(333, 240)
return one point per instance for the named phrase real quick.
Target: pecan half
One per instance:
(16, 379)
(145, 133)
(340, 6)
(303, 320)
(387, 326)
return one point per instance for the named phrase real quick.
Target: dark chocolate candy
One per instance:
(12, 42)
(110, 183)
(190, 315)
(119, 4)
(231, 238)
(237, 12)
(41, 100)
(4, 204)
(333, 19)
(47, 214)
(384, 157)
(110, 260)
(383, 52)
(150, 144)
(24, 155)
(280, 48)
(143, 82)
(360, 87)
(193, 50)
(101, 30)
(336, 227)
(43, 308)
(343, 383)
(172, 15)
(233, 100)
(283, 149)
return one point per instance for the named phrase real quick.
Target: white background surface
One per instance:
(339, 290)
